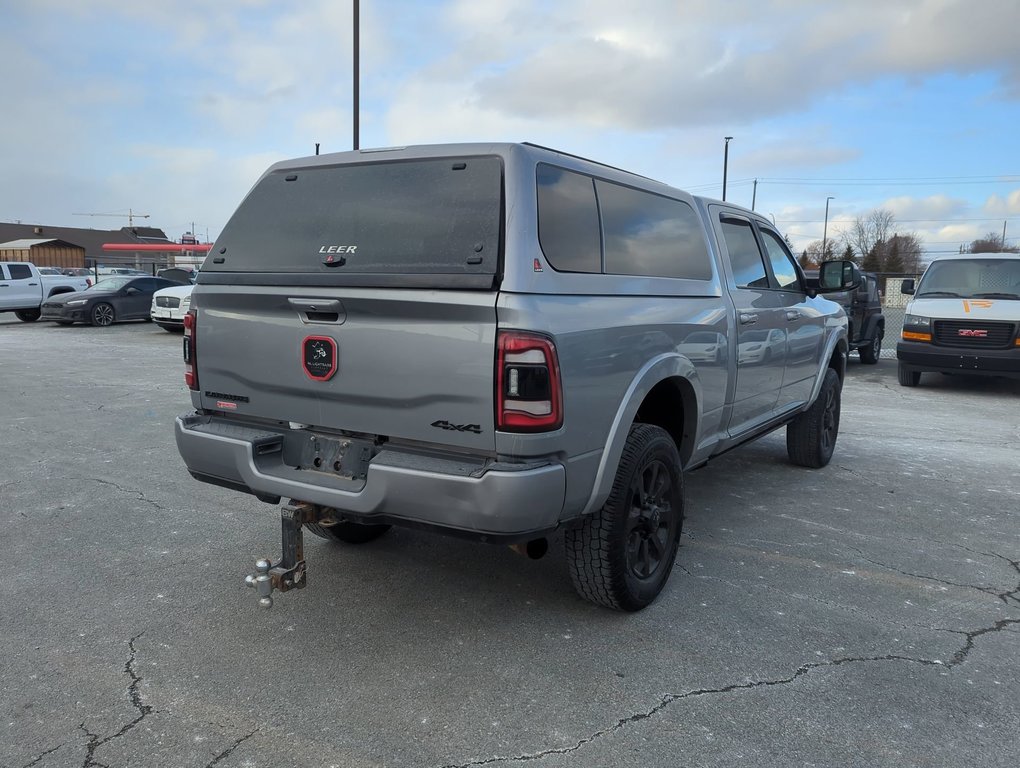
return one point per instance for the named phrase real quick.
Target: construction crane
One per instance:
(131, 216)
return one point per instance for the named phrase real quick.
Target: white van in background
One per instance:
(964, 318)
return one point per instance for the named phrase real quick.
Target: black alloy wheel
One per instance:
(651, 520)
(102, 314)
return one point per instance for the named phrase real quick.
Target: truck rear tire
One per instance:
(348, 532)
(811, 437)
(622, 555)
(27, 315)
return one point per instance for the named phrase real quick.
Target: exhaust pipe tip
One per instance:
(533, 550)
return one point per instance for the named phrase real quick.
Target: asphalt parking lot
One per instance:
(867, 614)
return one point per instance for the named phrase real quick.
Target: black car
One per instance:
(119, 297)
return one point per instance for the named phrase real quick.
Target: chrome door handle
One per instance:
(747, 318)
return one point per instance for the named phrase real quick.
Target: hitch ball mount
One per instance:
(289, 572)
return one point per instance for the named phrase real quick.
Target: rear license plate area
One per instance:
(343, 457)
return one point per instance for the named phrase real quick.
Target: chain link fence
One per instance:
(894, 306)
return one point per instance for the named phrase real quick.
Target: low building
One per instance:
(90, 242)
(43, 252)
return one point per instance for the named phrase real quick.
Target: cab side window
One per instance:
(19, 271)
(745, 256)
(784, 268)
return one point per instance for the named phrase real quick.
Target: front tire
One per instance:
(102, 314)
(622, 555)
(348, 532)
(906, 377)
(28, 315)
(811, 437)
(871, 353)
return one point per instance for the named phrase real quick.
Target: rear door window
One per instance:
(745, 256)
(20, 271)
(415, 217)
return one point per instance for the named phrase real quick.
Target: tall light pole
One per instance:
(725, 163)
(825, 227)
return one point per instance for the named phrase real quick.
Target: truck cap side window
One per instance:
(568, 220)
(651, 235)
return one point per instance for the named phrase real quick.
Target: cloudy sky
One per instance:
(173, 109)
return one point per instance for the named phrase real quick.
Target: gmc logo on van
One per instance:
(978, 333)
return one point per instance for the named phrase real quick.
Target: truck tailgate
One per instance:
(404, 364)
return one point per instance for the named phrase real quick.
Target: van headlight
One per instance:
(918, 320)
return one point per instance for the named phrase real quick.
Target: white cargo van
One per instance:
(964, 318)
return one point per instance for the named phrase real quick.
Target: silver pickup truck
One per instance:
(499, 341)
(23, 289)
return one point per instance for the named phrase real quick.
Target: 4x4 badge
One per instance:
(444, 424)
(319, 357)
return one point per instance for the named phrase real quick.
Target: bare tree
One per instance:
(813, 254)
(991, 243)
(868, 231)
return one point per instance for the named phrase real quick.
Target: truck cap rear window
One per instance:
(412, 217)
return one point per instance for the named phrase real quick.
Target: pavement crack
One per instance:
(141, 496)
(961, 655)
(958, 658)
(225, 753)
(1004, 596)
(672, 698)
(144, 710)
(40, 757)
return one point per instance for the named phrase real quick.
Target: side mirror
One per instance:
(836, 276)
(907, 286)
(132, 291)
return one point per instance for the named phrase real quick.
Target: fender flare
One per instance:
(838, 348)
(655, 371)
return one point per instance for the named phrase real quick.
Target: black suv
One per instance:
(863, 307)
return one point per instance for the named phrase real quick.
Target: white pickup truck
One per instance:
(23, 289)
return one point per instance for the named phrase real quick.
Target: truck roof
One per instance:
(970, 256)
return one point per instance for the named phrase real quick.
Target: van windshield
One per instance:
(429, 217)
(971, 279)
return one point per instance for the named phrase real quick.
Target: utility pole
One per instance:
(357, 45)
(825, 227)
(725, 163)
(1004, 233)
(754, 194)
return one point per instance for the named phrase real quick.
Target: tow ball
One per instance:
(289, 572)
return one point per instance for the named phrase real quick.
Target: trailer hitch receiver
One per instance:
(289, 571)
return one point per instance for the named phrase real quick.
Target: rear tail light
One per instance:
(528, 392)
(191, 349)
